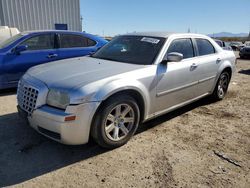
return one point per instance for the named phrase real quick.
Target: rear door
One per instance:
(73, 45)
(208, 62)
(40, 50)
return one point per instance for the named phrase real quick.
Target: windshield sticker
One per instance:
(150, 40)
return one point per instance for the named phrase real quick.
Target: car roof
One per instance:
(52, 31)
(94, 37)
(165, 34)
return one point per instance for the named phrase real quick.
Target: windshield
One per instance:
(10, 40)
(131, 49)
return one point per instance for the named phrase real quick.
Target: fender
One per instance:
(122, 85)
(223, 66)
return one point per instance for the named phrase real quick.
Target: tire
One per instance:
(115, 122)
(222, 86)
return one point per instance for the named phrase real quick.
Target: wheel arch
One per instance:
(132, 92)
(227, 68)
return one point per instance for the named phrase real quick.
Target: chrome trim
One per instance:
(172, 108)
(176, 89)
(206, 79)
(183, 87)
(27, 96)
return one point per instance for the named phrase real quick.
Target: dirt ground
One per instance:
(204, 144)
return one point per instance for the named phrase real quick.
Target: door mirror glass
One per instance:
(174, 57)
(21, 48)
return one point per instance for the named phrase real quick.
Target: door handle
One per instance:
(193, 66)
(52, 56)
(218, 60)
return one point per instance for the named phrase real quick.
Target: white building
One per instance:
(41, 14)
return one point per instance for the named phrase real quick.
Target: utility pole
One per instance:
(248, 38)
(81, 19)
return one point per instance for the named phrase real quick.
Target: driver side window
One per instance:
(40, 42)
(183, 46)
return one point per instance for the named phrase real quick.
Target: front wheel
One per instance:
(221, 86)
(116, 121)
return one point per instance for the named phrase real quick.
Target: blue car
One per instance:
(28, 49)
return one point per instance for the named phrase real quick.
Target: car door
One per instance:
(176, 80)
(73, 45)
(208, 62)
(40, 49)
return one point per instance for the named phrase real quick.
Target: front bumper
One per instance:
(51, 122)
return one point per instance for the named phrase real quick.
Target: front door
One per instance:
(40, 49)
(176, 80)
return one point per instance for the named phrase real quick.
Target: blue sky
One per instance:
(112, 17)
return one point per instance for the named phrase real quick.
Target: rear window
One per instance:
(220, 43)
(75, 41)
(91, 42)
(204, 47)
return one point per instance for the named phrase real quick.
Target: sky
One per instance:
(112, 17)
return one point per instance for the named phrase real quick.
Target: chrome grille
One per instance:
(26, 97)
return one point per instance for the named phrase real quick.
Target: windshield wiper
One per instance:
(105, 58)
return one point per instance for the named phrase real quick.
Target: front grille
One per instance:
(26, 97)
(247, 50)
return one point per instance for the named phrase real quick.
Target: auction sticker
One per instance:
(150, 40)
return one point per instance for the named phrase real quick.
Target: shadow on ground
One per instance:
(5, 92)
(247, 71)
(25, 154)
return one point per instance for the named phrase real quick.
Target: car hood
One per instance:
(77, 72)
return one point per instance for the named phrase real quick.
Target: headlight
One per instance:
(58, 99)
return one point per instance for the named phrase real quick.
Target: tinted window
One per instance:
(219, 43)
(40, 42)
(75, 41)
(91, 42)
(204, 47)
(131, 49)
(183, 46)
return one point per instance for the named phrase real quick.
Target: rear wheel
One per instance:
(221, 86)
(116, 121)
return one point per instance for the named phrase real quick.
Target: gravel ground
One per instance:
(204, 144)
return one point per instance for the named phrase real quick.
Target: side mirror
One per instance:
(174, 57)
(20, 49)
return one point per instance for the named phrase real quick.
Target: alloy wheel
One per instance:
(222, 86)
(119, 122)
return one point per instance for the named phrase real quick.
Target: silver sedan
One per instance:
(134, 78)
